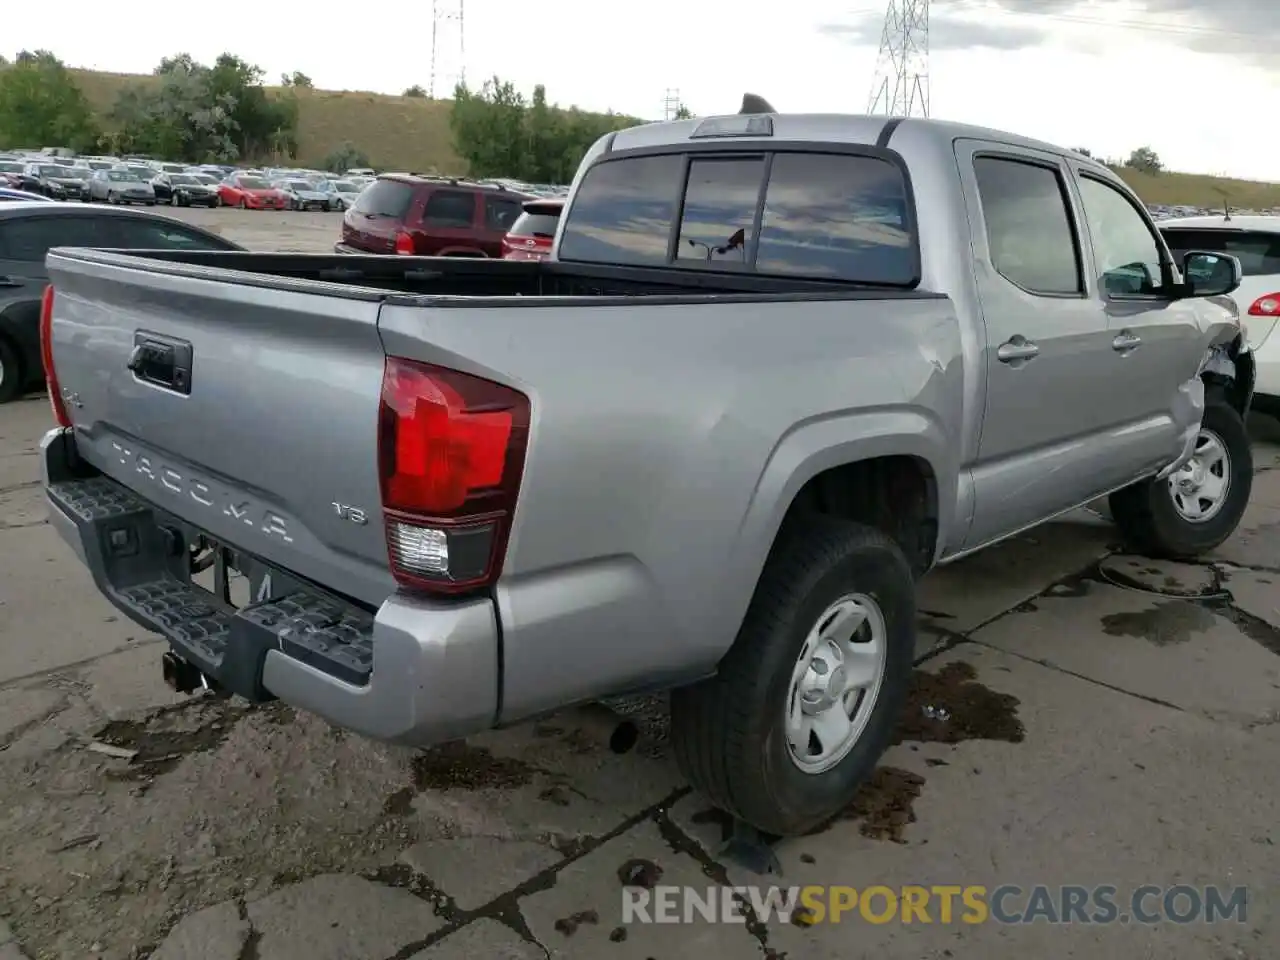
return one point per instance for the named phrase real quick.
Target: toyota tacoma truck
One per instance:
(777, 367)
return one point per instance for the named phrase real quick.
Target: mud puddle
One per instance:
(158, 742)
(1167, 623)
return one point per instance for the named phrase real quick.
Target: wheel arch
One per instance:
(887, 468)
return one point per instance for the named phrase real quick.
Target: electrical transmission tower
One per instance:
(901, 87)
(448, 44)
(671, 104)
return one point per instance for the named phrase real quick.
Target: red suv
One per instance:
(532, 235)
(422, 216)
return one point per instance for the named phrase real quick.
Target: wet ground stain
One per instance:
(884, 805)
(950, 706)
(460, 766)
(161, 740)
(639, 873)
(1166, 623)
(568, 926)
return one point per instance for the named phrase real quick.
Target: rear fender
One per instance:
(817, 446)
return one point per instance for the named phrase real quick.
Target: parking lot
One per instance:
(1079, 717)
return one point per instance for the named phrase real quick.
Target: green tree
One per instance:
(500, 134)
(414, 91)
(42, 105)
(345, 157)
(1083, 151)
(1144, 160)
(205, 114)
(683, 113)
(296, 79)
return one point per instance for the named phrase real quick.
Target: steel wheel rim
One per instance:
(835, 683)
(1199, 488)
(2, 371)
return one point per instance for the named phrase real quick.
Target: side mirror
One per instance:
(1211, 274)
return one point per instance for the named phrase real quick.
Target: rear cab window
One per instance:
(834, 216)
(385, 198)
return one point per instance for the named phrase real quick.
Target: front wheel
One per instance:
(805, 702)
(1200, 506)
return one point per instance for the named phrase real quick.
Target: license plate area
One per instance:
(235, 578)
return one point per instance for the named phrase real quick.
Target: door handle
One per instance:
(9, 282)
(1017, 348)
(1126, 342)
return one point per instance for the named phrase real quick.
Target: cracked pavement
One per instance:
(1080, 716)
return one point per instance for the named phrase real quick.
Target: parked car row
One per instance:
(141, 180)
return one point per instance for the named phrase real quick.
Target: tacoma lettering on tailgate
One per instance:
(235, 506)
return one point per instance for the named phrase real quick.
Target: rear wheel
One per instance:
(243, 204)
(10, 372)
(1200, 506)
(805, 701)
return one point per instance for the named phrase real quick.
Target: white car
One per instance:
(1255, 242)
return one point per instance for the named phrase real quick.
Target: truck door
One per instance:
(1156, 341)
(1048, 416)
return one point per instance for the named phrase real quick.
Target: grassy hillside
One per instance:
(406, 133)
(411, 133)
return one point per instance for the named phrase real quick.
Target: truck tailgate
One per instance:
(270, 444)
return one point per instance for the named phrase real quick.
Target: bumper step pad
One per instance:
(135, 564)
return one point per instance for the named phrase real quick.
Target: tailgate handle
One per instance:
(161, 361)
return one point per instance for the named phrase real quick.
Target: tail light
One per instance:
(451, 451)
(46, 358)
(404, 243)
(1267, 305)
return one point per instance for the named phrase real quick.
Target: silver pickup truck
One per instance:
(778, 367)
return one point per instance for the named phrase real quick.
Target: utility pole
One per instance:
(448, 43)
(671, 103)
(901, 87)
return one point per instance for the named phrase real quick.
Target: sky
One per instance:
(1188, 78)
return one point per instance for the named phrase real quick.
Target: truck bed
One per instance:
(480, 278)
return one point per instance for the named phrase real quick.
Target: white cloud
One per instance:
(1108, 88)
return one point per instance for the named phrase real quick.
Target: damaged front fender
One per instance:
(1227, 367)
(1188, 410)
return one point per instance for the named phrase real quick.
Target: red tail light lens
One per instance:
(451, 451)
(1268, 305)
(404, 243)
(46, 358)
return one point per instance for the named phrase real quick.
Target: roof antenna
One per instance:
(754, 103)
(1226, 210)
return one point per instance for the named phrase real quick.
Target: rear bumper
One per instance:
(415, 671)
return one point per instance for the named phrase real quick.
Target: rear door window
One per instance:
(385, 198)
(623, 211)
(1257, 251)
(138, 234)
(30, 239)
(450, 208)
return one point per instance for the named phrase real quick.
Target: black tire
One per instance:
(1146, 513)
(243, 204)
(728, 732)
(12, 376)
